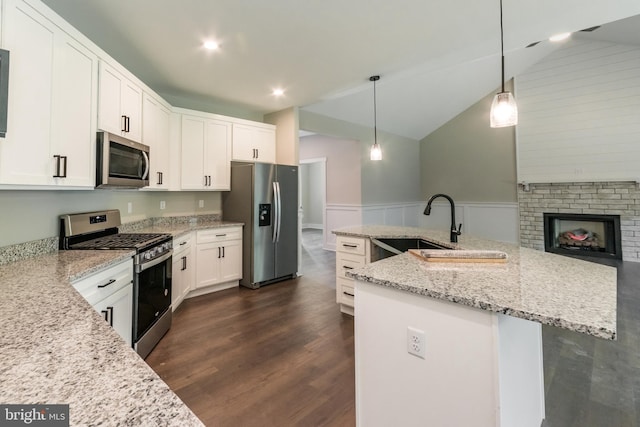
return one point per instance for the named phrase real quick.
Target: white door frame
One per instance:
(323, 196)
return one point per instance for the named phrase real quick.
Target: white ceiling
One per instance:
(435, 58)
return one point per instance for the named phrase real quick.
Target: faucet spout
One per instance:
(455, 232)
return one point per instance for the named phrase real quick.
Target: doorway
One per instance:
(313, 201)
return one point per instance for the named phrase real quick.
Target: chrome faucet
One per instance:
(455, 232)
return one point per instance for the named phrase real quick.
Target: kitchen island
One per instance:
(481, 326)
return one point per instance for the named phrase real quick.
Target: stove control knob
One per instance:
(148, 255)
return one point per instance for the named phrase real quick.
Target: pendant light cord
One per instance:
(374, 79)
(375, 115)
(501, 46)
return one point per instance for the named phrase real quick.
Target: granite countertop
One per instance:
(55, 348)
(532, 285)
(177, 229)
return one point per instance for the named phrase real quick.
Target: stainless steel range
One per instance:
(151, 269)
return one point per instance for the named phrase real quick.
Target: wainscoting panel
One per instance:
(495, 221)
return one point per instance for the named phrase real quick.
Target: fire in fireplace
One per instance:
(583, 234)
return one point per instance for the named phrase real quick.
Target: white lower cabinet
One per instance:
(182, 269)
(351, 253)
(110, 293)
(218, 258)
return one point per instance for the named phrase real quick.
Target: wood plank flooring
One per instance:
(283, 356)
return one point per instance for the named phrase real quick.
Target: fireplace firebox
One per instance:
(583, 234)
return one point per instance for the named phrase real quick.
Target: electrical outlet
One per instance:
(129, 207)
(201, 203)
(416, 342)
(163, 204)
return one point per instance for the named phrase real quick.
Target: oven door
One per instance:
(152, 294)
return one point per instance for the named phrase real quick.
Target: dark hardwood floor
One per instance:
(283, 356)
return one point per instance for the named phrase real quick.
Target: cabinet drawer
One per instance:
(347, 262)
(219, 235)
(104, 283)
(354, 245)
(181, 244)
(345, 291)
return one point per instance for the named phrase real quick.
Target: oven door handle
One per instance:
(142, 267)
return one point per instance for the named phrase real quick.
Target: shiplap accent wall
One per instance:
(579, 115)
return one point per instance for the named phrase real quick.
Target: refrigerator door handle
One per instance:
(275, 212)
(278, 211)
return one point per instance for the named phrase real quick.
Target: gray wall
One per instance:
(469, 160)
(32, 214)
(343, 166)
(396, 178)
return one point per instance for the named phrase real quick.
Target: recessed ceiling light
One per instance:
(559, 37)
(278, 92)
(211, 45)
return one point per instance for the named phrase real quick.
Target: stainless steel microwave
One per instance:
(121, 163)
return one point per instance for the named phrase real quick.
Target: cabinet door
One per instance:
(208, 264)
(192, 147)
(117, 309)
(156, 134)
(217, 154)
(231, 261)
(73, 114)
(177, 280)
(131, 107)
(109, 100)
(254, 144)
(24, 153)
(265, 145)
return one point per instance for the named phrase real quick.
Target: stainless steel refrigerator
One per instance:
(264, 197)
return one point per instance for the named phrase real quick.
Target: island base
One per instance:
(480, 368)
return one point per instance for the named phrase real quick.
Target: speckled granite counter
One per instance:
(178, 229)
(54, 348)
(532, 285)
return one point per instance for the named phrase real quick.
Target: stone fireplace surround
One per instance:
(602, 198)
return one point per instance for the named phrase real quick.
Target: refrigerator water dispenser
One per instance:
(264, 218)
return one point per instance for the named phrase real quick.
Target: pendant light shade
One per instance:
(376, 151)
(504, 111)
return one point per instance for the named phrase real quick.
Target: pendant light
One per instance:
(504, 111)
(376, 152)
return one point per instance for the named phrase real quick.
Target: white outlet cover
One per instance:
(201, 203)
(416, 342)
(163, 204)
(129, 207)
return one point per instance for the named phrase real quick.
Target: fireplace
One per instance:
(583, 234)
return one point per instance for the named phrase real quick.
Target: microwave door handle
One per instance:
(146, 165)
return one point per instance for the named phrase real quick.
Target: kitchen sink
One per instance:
(384, 248)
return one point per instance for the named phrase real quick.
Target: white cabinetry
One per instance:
(119, 104)
(156, 133)
(206, 153)
(254, 143)
(351, 253)
(183, 269)
(219, 257)
(110, 293)
(51, 125)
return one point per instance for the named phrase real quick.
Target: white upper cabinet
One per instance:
(119, 104)
(51, 127)
(156, 119)
(254, 143)
(206, 153)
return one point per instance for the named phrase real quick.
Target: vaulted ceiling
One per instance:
(435, 58)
